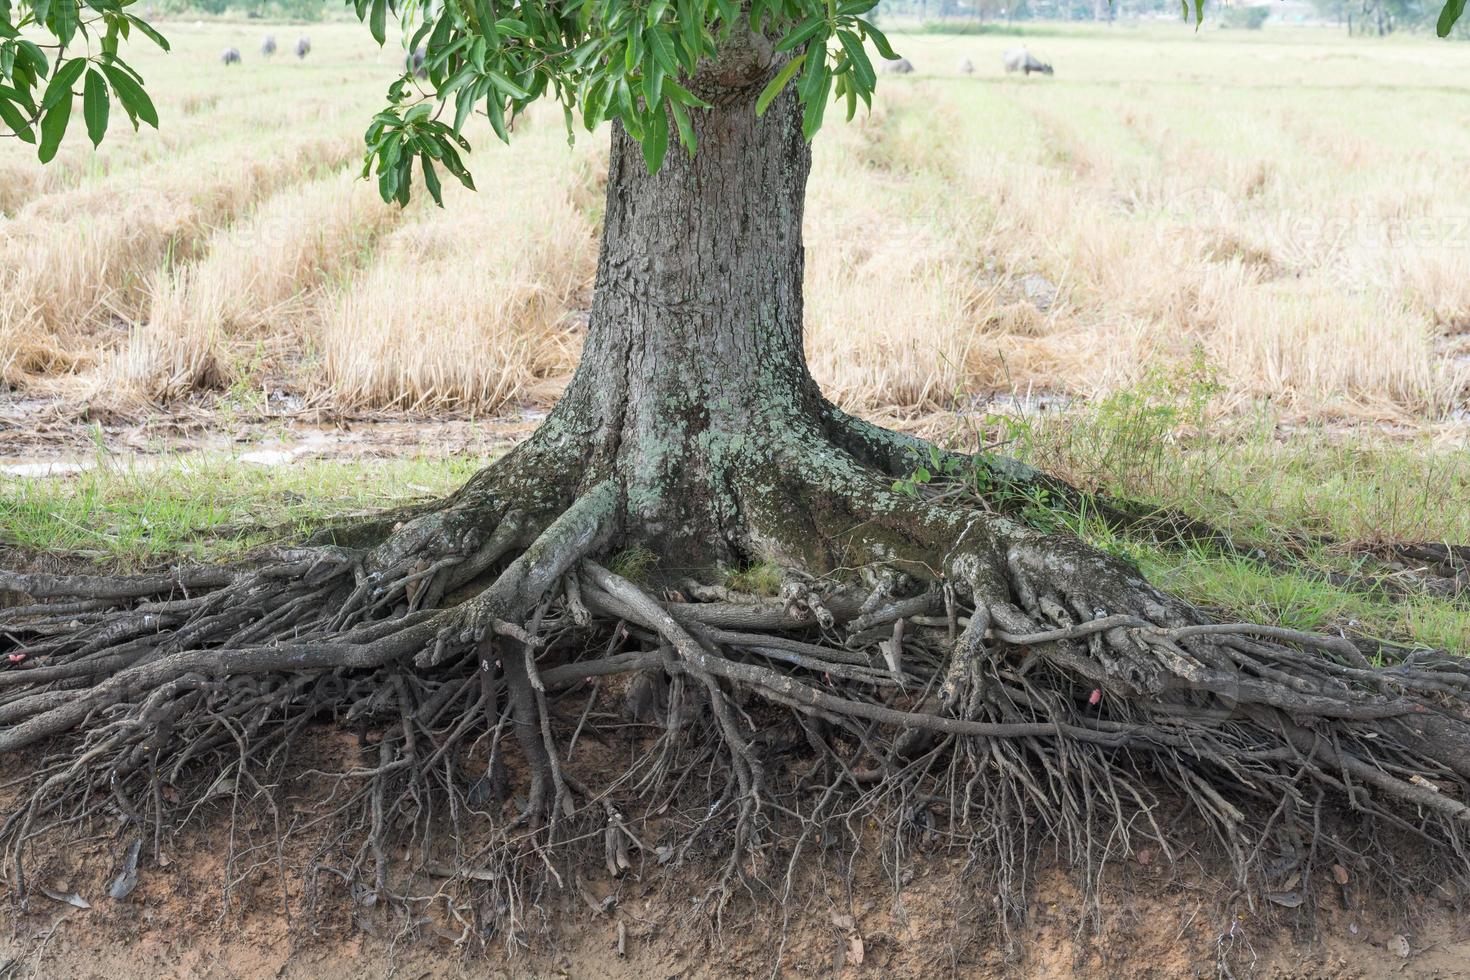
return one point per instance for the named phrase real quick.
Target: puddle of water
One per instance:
(267, 457)
(43, 468)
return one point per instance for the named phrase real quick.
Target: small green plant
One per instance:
(936, 465)
(762, 578)
(633, 563)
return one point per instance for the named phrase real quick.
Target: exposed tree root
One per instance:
(961, 678)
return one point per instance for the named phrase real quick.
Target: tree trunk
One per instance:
(694, 350)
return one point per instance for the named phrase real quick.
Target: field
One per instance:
(1222, 273)
(1271, 205)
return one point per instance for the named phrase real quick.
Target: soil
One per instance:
(847, 918)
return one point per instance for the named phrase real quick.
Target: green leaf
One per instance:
(663, 50)
(655, 141)
(678, 93)
(64, 20)
(805, 31)
(431, 181)
(20, 97)
(853, 45)
(507, 86)
(135, 101)
(464, 104)
(15, 120)
(495, 109)
(95, 106)
(879, 39)
(53, 127)
(1451, 13)
(60, 85)
(690, 30)
(815, 86)
(653, 84)
(775, 85)
(34, 57)
(147, 30)
(378, 22)
(686, 131)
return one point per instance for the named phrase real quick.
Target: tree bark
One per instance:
(694, 350)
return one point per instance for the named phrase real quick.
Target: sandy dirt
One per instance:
(1159, 920)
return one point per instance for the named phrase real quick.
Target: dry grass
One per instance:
(77, 265)
(472, 308)
(1271, 203)
(255, 285)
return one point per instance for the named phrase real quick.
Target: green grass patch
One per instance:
(1297, 597)
(762, 578)
(1300, 505)
(206, 507)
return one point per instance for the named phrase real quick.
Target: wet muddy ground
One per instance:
(43, 437)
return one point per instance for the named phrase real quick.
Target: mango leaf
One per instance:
(60, 85)
(147, 31)
(775, 85)
(853, 46)
(655, 142)
(135, 101)
(53, 127)
(431, 181)
(1452, 11)
(15, 120)
(507, 86)
(879, 39)
(805, 31)
(95, 106)
(686, 132)
(378, 22)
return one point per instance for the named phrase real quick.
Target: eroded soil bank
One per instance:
(847, 917)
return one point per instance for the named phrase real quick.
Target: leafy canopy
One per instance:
(629, 60)
(602, 60)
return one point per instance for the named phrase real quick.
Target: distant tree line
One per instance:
(311, 10)
(1380, 17)
(1357, 17)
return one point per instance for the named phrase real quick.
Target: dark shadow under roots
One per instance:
(930, 676)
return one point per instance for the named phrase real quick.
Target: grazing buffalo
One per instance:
(966, 66)
(230, 56)
(303, 46)
(900, 67)
(268, 45)
(1019, 59)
